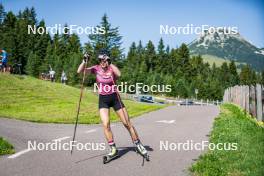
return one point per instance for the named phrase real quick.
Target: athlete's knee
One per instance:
(128, 125)
(107, 126)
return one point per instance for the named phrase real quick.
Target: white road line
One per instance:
(58, 139)
(62, 138)
(90, 131)
(166, 121)
(19, 153)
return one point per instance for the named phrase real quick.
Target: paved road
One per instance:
(174, 124)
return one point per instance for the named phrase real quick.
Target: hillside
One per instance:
(228, 47)
(219, 61)
(28, 98)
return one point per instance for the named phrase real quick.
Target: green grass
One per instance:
(5, 147)
(234, 126)
(214, 59)
(27, 98)
(217, 60)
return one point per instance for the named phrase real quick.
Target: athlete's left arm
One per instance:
(115, 70)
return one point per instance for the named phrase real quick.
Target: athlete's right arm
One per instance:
(81, 68)
(88, 70)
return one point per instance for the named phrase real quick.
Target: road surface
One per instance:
(174, 125)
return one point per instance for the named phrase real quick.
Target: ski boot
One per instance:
(142, 151)
(110, 156)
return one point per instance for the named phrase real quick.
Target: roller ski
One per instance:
(140, 149)
(110, 156)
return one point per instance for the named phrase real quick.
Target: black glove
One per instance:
(86, 57)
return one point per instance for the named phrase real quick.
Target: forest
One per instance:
(150, 64)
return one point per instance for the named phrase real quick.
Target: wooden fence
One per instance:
(250, 98)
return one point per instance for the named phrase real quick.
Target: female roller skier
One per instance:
(106, 75)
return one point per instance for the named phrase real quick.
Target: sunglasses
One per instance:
(103, 60)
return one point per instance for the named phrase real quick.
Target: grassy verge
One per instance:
(234, 126)
(5, 147)
(30, 99)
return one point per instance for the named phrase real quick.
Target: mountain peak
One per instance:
(218, 36)
(228, 45)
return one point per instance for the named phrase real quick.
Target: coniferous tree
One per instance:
(110, 40)
(132, 56)
(181, 89)
(245, 75)
(262, 78)
(183, 52)
(71, 72)
(48, 60)
(234, 80)
(161, 58)
(63, 52)
(33, 65)
(225, 75)
(168, 50)
(184, 60)
(150, 56)
(42, 41)
(140, 53)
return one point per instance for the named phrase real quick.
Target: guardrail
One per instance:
(172, 101)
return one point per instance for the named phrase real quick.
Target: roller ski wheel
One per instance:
(109, 157)
(146, 156)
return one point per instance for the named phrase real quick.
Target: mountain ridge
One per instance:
(228, 46)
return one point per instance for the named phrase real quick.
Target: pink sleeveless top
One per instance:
(105, 79)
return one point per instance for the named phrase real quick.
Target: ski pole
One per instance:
(118, 96)
(119, 100)
(80, 99)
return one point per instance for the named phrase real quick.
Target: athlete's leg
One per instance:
(123, 115)
(4, 67)
(104, 114)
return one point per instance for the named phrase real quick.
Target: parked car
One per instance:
(146, 98)
(187, 102)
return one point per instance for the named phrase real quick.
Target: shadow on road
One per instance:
(121, 151)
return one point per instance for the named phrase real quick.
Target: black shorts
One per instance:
(107, 101)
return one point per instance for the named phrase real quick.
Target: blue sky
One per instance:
(141, 20)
